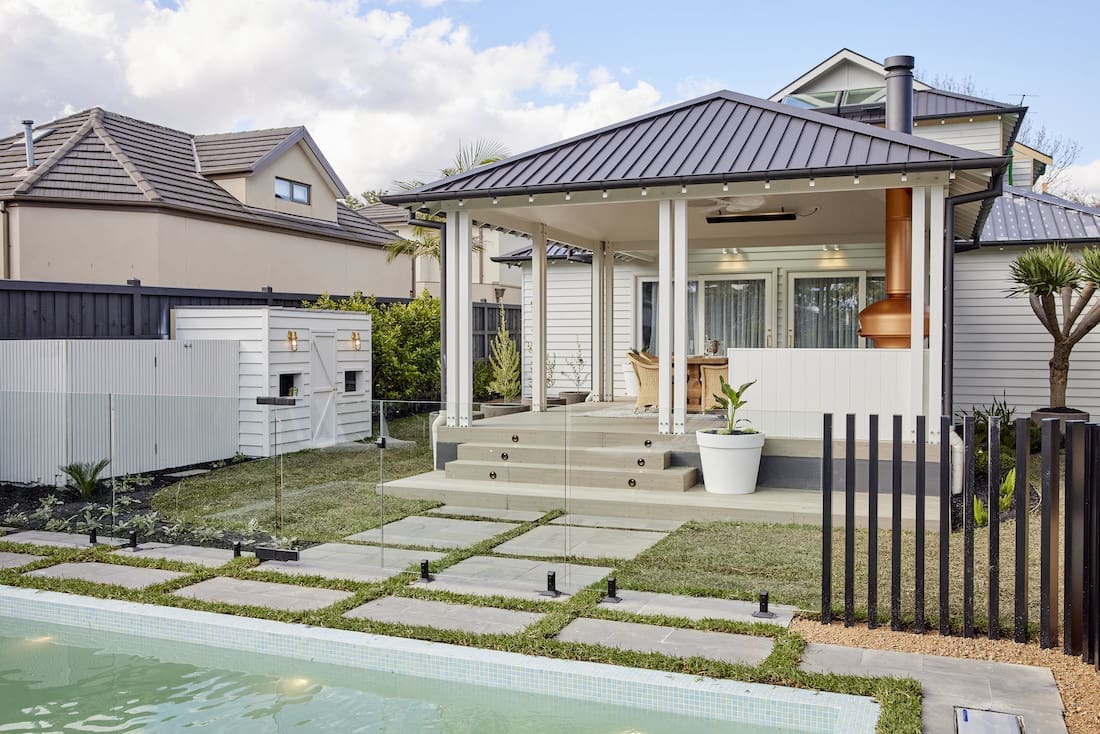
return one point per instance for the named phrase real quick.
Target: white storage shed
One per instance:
(320, 358)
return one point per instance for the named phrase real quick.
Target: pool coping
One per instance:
(677, 693)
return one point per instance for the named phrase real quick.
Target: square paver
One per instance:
(351, 562)
(15, 560)
(517, 577)
(671, 641)
(200, 555)
(433, 532)
(59, 540)
(493, 512)
(263, 594)
(132, 577)
(442, 615)
(563, 540)
(698, 607)
(188, 473)
(623, 523)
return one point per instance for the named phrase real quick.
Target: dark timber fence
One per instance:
(1068, 546)
(43, 310)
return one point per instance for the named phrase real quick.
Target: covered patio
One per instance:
(725, 177)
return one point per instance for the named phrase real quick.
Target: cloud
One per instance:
(386, 97)
(1084, 179)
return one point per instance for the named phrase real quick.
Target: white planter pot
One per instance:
(630, 380)
(730, 463)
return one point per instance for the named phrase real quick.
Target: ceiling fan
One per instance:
(730, 204)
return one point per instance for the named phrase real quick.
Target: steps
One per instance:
(628, 467)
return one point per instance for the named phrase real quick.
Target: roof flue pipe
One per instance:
(887, 322)
(28, 135)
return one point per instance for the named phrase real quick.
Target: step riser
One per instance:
(623, 459)
(550, 437)
(673, 480)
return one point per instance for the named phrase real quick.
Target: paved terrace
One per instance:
(946, 682)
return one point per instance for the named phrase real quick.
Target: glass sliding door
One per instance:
(737, 311)
(876, 291)
(823, 310)
(648, 336)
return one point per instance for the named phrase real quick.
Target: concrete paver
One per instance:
(188, 473)
(613, 521)
(15, 560)
(671, 641)
(949, 682)
(351, 562)
(131, 577)
(433, 532)
(517, 577)
(561, 540)
(697, 607)
(442, 615)
(203, 556)
(495, 513)
(59, 540)
(262, 594)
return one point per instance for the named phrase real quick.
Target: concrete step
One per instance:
(562, 435)
(626, 458)
(676, 478)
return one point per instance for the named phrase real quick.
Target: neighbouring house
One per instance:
(767, 226)
(493, 281)
(787, 291)
(98, 197)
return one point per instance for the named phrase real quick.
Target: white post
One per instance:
(916, 316)
(664, 316)
(598, 335)
(935, 311)
(680, 316)
(538, 319)
(608, 326)
(465, 365)
(453, 297)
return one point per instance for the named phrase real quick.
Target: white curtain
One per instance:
(734, 312)
(825, 312)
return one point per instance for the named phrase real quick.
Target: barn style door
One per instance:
(323, 385)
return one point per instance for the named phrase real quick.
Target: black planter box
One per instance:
(275, 554)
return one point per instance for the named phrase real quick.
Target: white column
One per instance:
(598, 322)
(935, 311)
(538, 319)
(465, 365)
(916, 316)
(680, 316)
(608, 325)
(664, 316)
(451, 256)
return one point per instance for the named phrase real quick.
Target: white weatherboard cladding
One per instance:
(1000, 345)
(265, 354)
(984, 135)
(145, 405)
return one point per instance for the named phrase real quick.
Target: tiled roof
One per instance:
(1023, 217)
(723, 136)
(99, 156)
(240, 151)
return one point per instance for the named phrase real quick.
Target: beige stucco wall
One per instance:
(258, 190)
(111, 246)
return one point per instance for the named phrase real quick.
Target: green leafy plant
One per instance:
(14, 516)
(730, 401)
(504, 360)
(1008, 488)
(84, 476)
(981, 515)
(579, 370)
(46, 507)
(1045, 274)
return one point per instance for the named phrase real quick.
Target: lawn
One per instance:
(327, 493)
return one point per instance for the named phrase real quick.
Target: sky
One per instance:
(390, 88)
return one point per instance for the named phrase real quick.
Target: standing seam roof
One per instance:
(1022, 216)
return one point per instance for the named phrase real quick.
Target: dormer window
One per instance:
(288, 190)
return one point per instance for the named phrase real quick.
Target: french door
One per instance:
(736, 310)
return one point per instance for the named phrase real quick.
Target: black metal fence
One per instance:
(1071, 521)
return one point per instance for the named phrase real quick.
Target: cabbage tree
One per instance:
(1050, 276)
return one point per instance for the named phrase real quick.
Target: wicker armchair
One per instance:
(711, 385)
(647, 373)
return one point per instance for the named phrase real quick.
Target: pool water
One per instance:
(60, 678)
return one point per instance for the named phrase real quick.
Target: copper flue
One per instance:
(887, 322)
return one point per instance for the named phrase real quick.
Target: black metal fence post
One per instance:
(849, 519)
(946, 431)
(895, 528)
(827, 519)
(993, 499)
(968, 526)
(1048, 560)
(872, 521)
(137, 317)
(918, 571)
(1023, 502)
(1090, 560)
(1073, 588)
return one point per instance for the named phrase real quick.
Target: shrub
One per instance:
(84, 476)
(505, 362)
(483, 376)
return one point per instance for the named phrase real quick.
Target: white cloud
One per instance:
(1084, 179)
(385, 98)
(696, 86)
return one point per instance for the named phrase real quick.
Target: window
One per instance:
(351, 380)
(291, 191)
(289, 384)
(650, 339)
(824, 309)
(734, 310)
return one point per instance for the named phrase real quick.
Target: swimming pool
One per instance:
(89, 664)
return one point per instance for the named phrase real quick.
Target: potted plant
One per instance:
(1050, 276)
(505, 365)
(580, 372)
(730, 455)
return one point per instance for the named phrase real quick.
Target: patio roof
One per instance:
(722, 137)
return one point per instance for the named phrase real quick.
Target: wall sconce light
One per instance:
(292, 339)
(356, 342)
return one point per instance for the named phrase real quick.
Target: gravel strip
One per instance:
(1077, 682)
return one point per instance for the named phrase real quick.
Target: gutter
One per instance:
(996, 188)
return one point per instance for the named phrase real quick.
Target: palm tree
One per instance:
(1044, 273)
(425, 242)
